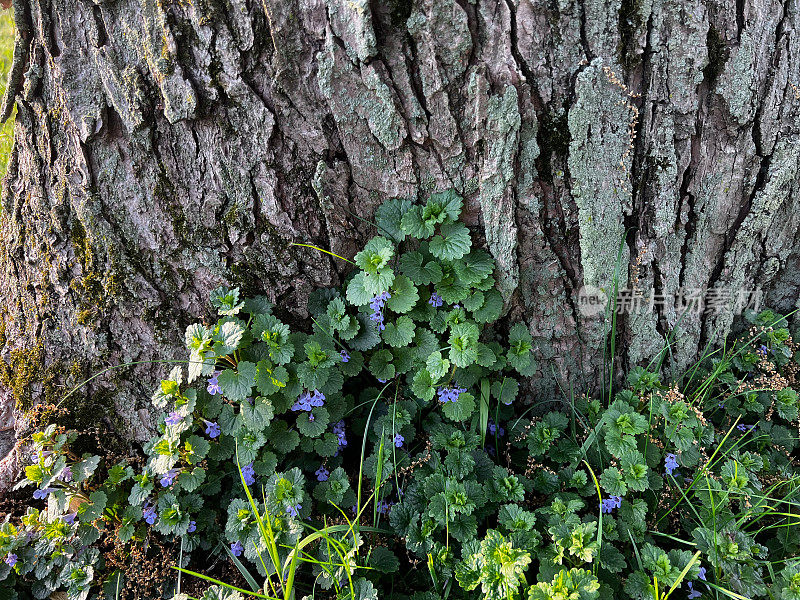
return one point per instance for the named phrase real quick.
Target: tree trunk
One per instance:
(163, 149)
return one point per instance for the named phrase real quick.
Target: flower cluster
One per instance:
(309, 400)
(435, 300)
(670, 463)
(450, 394)
(213, 386)
(377, 304)
(609, 504)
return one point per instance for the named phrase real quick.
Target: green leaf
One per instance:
(357, 293)
(270, 379)
(474, 267)
(437, 366)
(379, 282)
(282, 438)
(463, 344)
(191, 480)
(453, 242)
(460, 410)
(414, 225)
(380, 364)
(375, 256)
(443, 206)
(399, 333)
(613, 482)
(413, 265)
(93, 509)
(81, 471)
(422, 385)
(389, 217)
(238, 385)
(506, 390)
(228, 336)
(404, 295)
(258, 415)
(275, 335)
(226, 301)
(384, 560)
(492, 307)
(313, 424)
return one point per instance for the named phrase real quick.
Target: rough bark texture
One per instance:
(165, 148)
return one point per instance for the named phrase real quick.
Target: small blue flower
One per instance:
(744, 427)
(69, 518)
(192, 527)
(42, 494)
(309, 400)
(237, 549)
(435, 300)
(213, 385)
(450, 394)
(66, 474)
(609, 504)
(169, 477)
(763, 349)
(702, 573)
(384, 507)
(212, 429)
(338, 430)
(173, 418)
(149, 514)
(398, 440)
(670, 463)
(293, 511)
(382, 380)
(249, 474)
(10, 559)
(345, 356)
(495, 429)
(693, 593)
(322, 473)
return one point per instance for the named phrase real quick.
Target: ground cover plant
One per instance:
(391, 451)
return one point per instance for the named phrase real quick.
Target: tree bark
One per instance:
(163, 149)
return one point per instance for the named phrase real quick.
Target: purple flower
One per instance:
(169, 477)
(345, 356)
(670, 463)
(212, 429)
(493, 428)
(693, 593)
(293, 511)
(42, 494)
(376, 304)
(702, 573)
(192, 527)
(237, 549)
(322, 473)
(609, 504)
(309, 400)
(149, 514)
(311, 417)
(249, 474)
(384, 507)
(338, 430)
(763, 349)
(10, 559)
(173, 418)
(744, 427)
(450, 394)
(435, 300)
(398, 440)
(382, 380)
(66, 474)
(69, 518)
(213, 385)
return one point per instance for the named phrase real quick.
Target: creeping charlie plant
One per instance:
(391, 450)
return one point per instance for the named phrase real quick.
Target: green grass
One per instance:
(6, 54)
